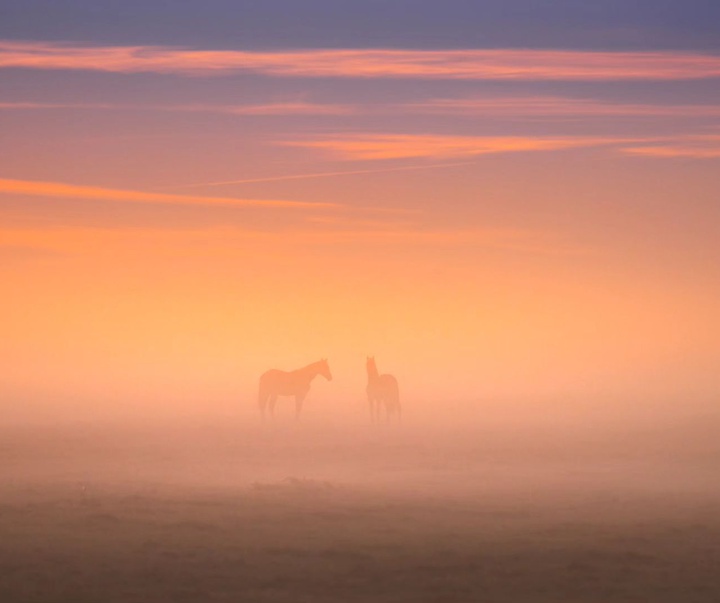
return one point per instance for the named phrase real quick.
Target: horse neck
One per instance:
(311, 370)
(372, 371)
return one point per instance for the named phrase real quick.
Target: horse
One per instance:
(274, 383)
(382, 389)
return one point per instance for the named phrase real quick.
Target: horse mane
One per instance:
(313, 364)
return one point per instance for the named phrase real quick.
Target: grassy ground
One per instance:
(439, 528)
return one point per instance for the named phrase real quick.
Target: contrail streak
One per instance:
(322, 175)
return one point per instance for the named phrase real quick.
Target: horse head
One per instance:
(325, 369)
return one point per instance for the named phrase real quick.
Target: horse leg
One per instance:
(391, 409)
(371, 405)
(396, 403)
(262, 403)
(299, 399)
(273, 399)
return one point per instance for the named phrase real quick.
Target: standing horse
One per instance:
(381, 389)
(274, 383)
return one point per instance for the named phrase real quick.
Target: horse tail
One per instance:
(395, 396)
(399, 406)
(262, 397)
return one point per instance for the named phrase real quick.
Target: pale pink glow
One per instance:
(72, 191)
(396, 146)
(495, 64)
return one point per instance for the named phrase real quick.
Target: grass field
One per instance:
(307, 516)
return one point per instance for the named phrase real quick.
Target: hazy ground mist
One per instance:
(506, 510)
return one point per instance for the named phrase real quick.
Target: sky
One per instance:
(498, 200)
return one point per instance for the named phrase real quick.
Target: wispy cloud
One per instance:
(33, 106)
(702, 146)
(522, 107)
(492, 64)
(523, 240)
(312, 175)
(396, 146)
(262, 109)
(339, 235)
(10, 252)
(274, 109)
(72, 191)
(557, 107)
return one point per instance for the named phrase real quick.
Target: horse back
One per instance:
(271, 376)
(282, 382)
(388, 385)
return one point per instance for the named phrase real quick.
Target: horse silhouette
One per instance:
(382, 390)
(274, 383)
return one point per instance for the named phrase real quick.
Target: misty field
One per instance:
(389, 515)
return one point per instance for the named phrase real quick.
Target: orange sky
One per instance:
(174, 222)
